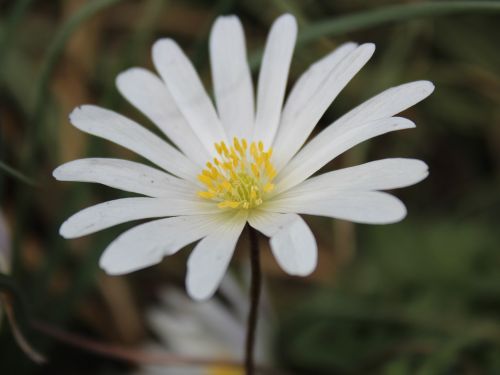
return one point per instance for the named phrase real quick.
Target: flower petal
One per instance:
(386, 104)
(125, 132)
(273, 78)
(208, 262)
(104, 215)
(376, 175)
(312, 78)
(231, 77)
(292, 242)
(188, 92)
(148, 93)
(330, 143)
(125, 175)
(147, 244)
(320, 89)
(368, 207)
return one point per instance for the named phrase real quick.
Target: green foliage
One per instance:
(420, 297)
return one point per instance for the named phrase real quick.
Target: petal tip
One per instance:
(163, 43)
(429, 87)
(58, 173)
(81, 112)
(228, 18)
(287, 20)
(109, 267)
(198, 294)
(65, 231)
(403, 212)
(368, 46)
(122, 77)
(403, 123)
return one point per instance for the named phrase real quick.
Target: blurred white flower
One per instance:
(212, 329)
(234, 165)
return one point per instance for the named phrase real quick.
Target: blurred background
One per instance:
(418, 297)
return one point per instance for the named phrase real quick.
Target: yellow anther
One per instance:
(205, 179)
(224, 148)
(207, 194)
(231, 204)
(253, 194)
(253, 149)
(270, 171)
(240, 177)
(268, 187)
(255, 170)
(237, 146)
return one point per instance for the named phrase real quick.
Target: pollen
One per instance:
(240, 176)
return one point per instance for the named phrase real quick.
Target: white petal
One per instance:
(125, 132)
(320, 89)
(188, 92)
(104, 215)
(209, 260)
(125, 175)
(316, 74)
(147, 244)
(231, 77)
(330, 143)
(369, 207)
(376, 175)
(273, 78)
(388, 103)
(292, 242)
(148, 93)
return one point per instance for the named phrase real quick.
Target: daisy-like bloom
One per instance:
(214, 329)
(232, 164)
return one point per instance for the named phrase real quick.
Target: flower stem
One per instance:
(255, 288)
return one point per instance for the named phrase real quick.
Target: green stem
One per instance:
(370, 18)
(16, 174)
(8, 33)
(379, 16)
(57, 45)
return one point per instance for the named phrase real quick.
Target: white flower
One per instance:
(234, 165)
(214, 329)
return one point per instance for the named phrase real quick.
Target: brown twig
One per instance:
(255, 288)
(135, 356)
(21, 341)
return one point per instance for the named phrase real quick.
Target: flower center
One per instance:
(240, 176)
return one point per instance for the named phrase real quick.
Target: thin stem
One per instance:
(383, 15)
(16, 174)
(396, 13)
(255, 288)
(138, 356)
(56, 48)
(19, 337)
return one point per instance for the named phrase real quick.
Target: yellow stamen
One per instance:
(240, 176)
